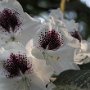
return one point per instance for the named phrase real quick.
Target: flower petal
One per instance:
(82, 55)
(29, 30)
(59, 60)
(56, 13)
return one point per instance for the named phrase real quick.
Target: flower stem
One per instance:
(62, 5)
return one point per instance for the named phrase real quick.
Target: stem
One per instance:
(62, 5)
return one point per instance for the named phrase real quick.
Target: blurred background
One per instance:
(79, 10)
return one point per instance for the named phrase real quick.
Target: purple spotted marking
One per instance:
(16, 65)
(9, 20)
(50, 40)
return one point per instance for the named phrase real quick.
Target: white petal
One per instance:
(56, 13)
(81, 58)
(28, 25)
(62, 58)
(12, 47)
(42, 70)
(59, 60)
(84, 45)
(37, 83)
(69, 39)
(71, 25)
(7, 0)
(65, 61)
(11, 4)
(82, 55)
(20, 84)
(39, 77)
(28, 30)
(8, 84)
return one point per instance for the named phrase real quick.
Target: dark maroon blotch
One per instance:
(9, 20)
(17, 65)
(76, 35)
(50, 40)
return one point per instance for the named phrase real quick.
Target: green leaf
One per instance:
(85, 66)
(69, 87)
(79, 78)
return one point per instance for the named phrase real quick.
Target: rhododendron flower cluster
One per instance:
(31, 52)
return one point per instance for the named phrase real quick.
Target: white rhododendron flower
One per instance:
(71, 25)
(57, 14)
(80, 54)
(54, 44)
(21, 72)
(15, 24)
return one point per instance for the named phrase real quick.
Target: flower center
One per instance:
(50, 40)
(9, 20)
(76, 35)
(17, 65)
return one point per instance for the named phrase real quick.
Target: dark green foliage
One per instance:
(69, 87)
(85, 66)
(79, 78)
